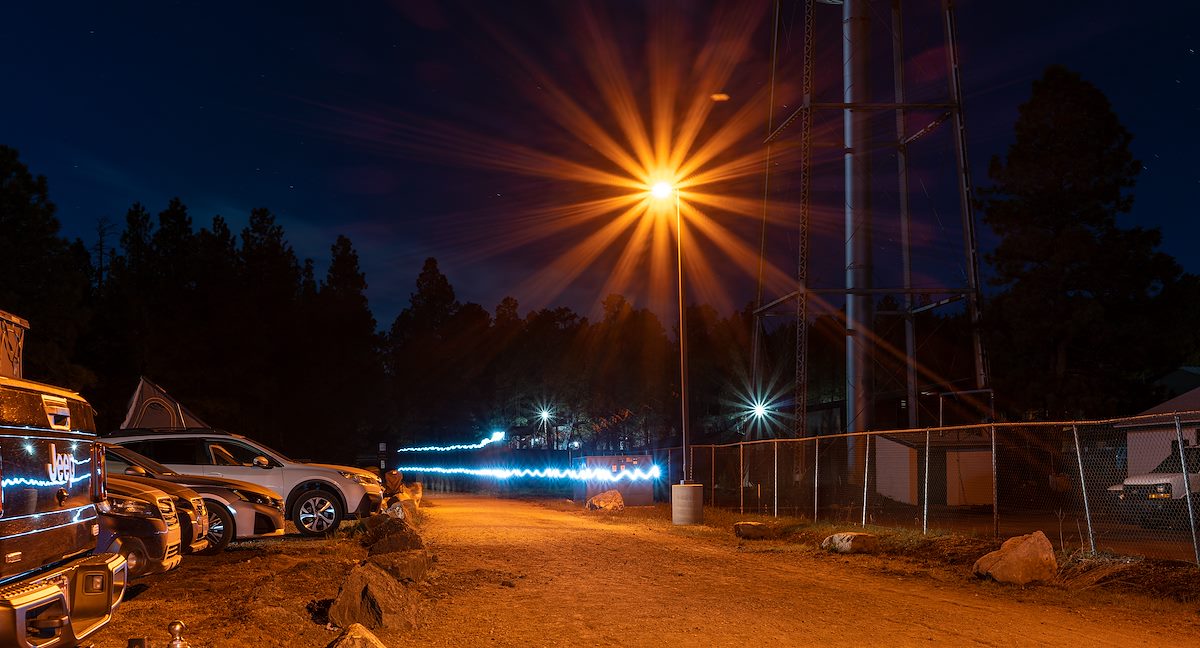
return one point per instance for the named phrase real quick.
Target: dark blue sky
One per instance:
(236, 105)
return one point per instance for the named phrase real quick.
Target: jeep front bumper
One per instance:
(63, 606)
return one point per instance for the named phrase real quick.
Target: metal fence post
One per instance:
(995, 490)
(816, 475)
(866, 475)
(925, 495)
(1187, 488)
(775, 447)
(713, 477)
(669, 480)
(741, 478)
(691, 464)
(1087, 509)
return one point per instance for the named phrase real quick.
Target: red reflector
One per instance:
(99, 489)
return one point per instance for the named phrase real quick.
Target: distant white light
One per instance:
(661, 190)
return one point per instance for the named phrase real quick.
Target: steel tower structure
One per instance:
(857, 109)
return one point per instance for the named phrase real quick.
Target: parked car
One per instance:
(237, 510)
(54, 591)
(141, 523)
(1157, 498)
(193, 513)
(317, 497)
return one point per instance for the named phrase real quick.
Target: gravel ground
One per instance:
(516, 573)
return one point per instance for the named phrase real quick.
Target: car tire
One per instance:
(221, 528)
(317, 512)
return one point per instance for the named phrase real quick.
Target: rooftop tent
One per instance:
(152, 407)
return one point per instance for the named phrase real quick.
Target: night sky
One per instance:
(239, 105)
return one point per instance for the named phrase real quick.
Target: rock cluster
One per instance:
(376, 593)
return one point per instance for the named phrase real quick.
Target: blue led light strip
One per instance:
(25, 481)
(585, 474)
(496, 436)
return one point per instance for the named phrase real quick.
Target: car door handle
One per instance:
(217, 474)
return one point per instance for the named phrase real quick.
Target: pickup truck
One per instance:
(1157, 497)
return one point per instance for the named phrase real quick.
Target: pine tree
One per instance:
(1078, 328)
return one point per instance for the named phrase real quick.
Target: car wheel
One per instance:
(221, 528)
(317, 512)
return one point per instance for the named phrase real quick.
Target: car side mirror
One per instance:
(136, 471)
(262, 462)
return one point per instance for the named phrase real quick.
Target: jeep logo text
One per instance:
(61, 468)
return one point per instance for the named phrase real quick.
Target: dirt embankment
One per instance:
(512, 573)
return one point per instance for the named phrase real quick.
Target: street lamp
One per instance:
(687, 499)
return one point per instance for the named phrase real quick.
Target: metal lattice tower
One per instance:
(856, 107)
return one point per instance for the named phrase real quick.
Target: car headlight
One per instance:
(365, 480)
(251, 496)
(117, 505)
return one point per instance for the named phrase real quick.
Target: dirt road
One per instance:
(513, 573)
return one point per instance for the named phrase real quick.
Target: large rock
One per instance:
(388, 535)
(404, 565)
(393, 481)
(851, 542)
(1020, 560)
(609, 500)
(370, 596)
(356, 636)
(753, 530)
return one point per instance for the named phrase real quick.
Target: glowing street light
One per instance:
(545, 415)
(684, 509)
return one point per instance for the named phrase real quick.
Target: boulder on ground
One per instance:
(415, 492)
(395, 510)
(1020, 560)
(753, 530)
(393, 481)
(851, 542)
(390, 535)
(356, 636)
(609, 500)
(370, 596)
(404, 565)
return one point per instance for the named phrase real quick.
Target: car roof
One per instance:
(170, 432)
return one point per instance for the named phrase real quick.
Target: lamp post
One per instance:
(687, 499)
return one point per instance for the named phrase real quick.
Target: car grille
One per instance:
(1137, 493)
(263, 524)
(198, 506)
(167, 508)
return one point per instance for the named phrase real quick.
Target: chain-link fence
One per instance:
(1117, 485)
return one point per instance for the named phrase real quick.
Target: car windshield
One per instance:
(269, 452)
(1171, 463)
(134, 459)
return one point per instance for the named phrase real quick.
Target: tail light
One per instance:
(99, 489)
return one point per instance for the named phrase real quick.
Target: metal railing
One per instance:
(1115, 485)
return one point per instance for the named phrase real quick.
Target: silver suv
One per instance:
(317, 497)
